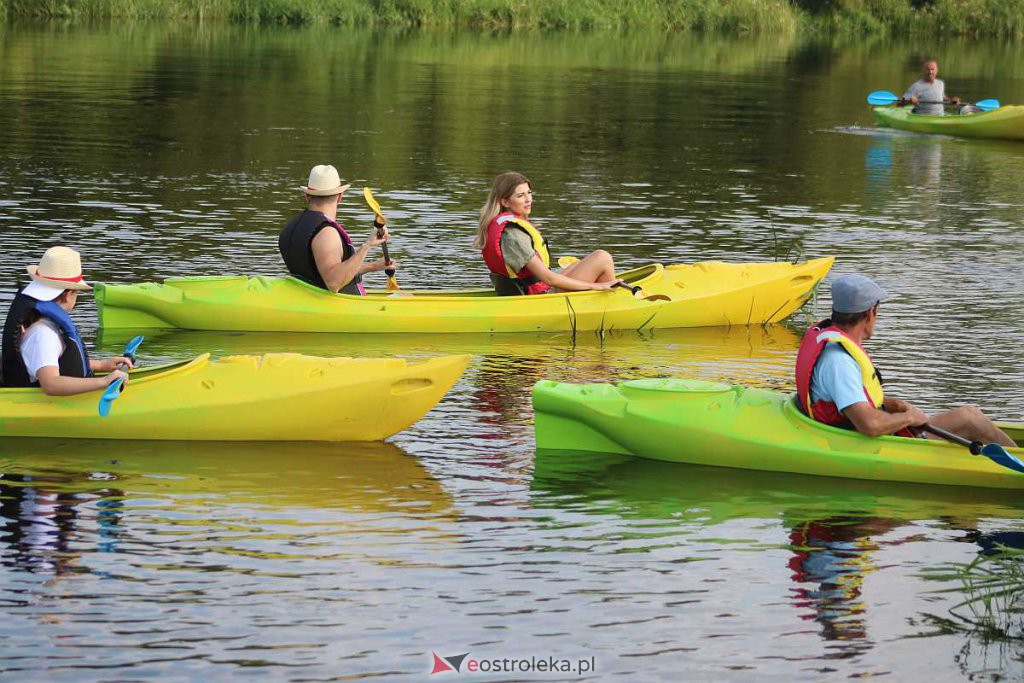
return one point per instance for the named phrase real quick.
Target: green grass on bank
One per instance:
(950, 17)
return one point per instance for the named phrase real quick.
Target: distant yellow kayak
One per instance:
(276, 397)
(701, 295)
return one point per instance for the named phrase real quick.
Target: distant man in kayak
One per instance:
(837, 383)
(41, 345)
(928, 93)
(317, 249)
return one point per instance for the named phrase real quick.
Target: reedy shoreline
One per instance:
(863, 17)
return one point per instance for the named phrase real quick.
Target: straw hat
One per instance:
(59, 269)
(324, 181)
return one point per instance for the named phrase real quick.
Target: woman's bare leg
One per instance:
(598, 266)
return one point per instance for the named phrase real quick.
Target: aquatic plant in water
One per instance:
(991, 612)
(993, 587)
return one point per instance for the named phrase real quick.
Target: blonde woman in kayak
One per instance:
(517, 254)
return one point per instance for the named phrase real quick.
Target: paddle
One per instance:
(638, 292)
(390, 272)
(115, 388)
(881, 98)
(992, 451)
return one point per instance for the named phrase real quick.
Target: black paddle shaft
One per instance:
(639, 292)
(390, 272)
(974, 446)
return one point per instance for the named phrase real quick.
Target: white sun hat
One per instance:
(59, 269)
(324, 181)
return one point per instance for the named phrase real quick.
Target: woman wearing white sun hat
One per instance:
(328, 258)
(41, 345)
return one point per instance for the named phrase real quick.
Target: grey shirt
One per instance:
(927, 92)
(516, 247)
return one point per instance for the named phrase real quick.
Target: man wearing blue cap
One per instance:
(837, 383)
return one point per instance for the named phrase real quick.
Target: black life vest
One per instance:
(74, 362)
(296, 246)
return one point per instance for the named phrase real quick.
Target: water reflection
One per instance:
(759, 355)
(831, 559)
(834, 530)
(372, 477)
(65, 498)
(914, 162)
(41, 519)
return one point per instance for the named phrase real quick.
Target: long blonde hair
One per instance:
(502, 188)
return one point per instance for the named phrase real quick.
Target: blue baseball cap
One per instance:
(855, 294)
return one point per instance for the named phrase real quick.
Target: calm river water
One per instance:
(160, 151)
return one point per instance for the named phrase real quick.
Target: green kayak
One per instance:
(707, 423)
(1006, 123)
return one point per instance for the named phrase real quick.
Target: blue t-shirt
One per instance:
(837, 378)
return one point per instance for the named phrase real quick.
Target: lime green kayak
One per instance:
(693, 295)
(707, 423)
(1006, 123)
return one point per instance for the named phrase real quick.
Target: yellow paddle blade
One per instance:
(372, 203)
(566, 261)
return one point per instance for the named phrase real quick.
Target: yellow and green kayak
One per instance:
(700, 295)
(275, 397)
(708, 423)
(1006, 123)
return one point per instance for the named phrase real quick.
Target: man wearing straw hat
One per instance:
(41, 345)
(328, 258)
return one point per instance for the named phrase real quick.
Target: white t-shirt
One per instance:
(933, 93)
(41, 345)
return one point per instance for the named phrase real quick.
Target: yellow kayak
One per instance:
(700, 295)
(276, 397)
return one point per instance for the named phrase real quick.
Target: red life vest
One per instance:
(496, 261)
(811, 347)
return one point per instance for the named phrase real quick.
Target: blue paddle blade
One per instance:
(988, 105)
(132, 346)
(881, 98)
(1001, 456)
(112, 391)
(115, 388)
